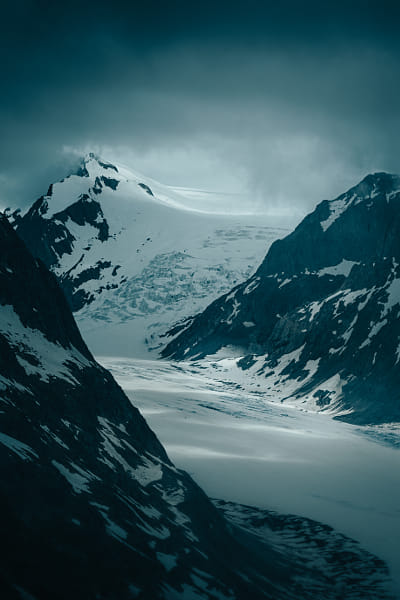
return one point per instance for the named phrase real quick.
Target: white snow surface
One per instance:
(172, 260)
(240, 446)
(336, 207)
(342, 268)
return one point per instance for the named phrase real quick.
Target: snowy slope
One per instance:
(132, 258)
(318, 323)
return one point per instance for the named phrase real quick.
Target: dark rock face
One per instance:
(110, 182)
(48, 239)
(331, 290)
(75, 295)
(51, 238)
(146, 188)
(105, 165)
(27, 286)
(91, 506)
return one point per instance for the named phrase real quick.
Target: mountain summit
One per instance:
(318, 323)
(130, 256)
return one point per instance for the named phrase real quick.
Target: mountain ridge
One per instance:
(323, 297)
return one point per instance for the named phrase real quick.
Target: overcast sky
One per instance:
(285, 102)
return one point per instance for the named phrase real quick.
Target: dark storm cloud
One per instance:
(289, 101)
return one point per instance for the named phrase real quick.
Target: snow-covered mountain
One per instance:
(318, 323)
(130, 255)
(92, 507)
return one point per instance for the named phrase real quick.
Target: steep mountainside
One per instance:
(131, 258)
(318, 323)
(90, 504)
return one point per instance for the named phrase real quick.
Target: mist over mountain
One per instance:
(283, 102)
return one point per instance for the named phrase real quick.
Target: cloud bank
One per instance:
(284, 105)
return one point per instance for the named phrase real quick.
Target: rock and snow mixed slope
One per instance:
(90, 504)
(318, 323)
(131, 258)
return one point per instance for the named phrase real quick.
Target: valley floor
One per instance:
(241, 448)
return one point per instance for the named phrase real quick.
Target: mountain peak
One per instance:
(375, 186)
(376, 183)
(92, 159)
(326, 300)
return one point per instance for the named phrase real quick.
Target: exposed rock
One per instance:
(329, 293)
